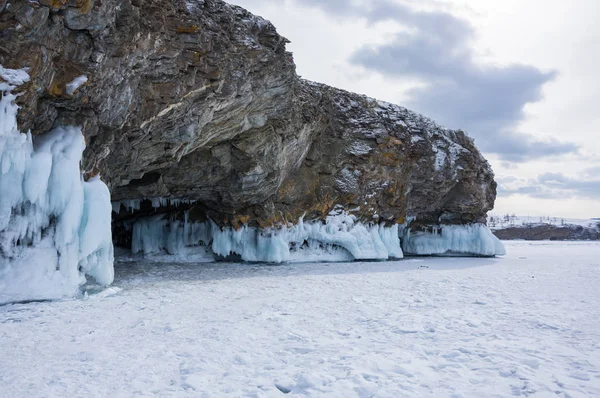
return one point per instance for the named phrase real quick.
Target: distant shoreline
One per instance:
(536, 232)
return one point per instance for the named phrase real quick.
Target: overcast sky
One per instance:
(520, 76)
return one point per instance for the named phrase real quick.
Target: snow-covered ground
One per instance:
(527, 324)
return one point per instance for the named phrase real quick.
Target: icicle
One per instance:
(131, 205)
(154, 234)
(340, 237)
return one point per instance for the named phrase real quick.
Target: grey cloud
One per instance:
(518, 147)
(533, 191)
(593, 172)
(509, 165)
(585, 188)
(550, 186)
(486, 101)
(334, 7)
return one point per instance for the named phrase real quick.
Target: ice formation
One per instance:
(154, 234)
(341, 237)
(136, 204)
(476, 239)
(54, 227)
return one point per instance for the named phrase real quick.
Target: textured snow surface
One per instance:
(54, 227)
(524, 325)
(341, 237)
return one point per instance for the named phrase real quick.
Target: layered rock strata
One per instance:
(195, 107)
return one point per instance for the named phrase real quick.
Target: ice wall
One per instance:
(54, 227)
(476, 239)
(341, 237)
(154, 234)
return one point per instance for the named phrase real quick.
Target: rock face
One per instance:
(198, 100)
(549, 232)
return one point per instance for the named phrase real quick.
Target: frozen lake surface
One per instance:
(524, 325)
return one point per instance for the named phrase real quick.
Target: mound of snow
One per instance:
(54, 227)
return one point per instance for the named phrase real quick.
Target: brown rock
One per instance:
(201, 101)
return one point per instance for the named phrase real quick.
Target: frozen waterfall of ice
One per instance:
(475, 239)
(340, 238)
(132, 205)
(54, 227)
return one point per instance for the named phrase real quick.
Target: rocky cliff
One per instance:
(197, 103)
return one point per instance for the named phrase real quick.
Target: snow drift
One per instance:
(54, 227)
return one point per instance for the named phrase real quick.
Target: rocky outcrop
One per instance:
(198, 101)
(549, 232)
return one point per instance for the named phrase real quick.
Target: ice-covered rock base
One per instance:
(54, 227)
(476, 239)
(339, 238)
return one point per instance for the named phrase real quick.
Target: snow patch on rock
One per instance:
(347, 180)
(76, 84)
(359, 148)
(13, 77)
